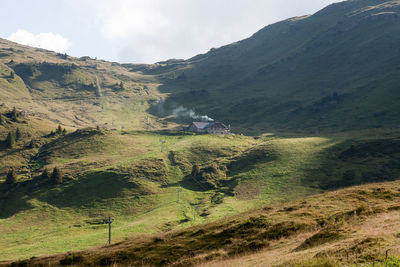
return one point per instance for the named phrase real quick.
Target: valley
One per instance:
(308, 177)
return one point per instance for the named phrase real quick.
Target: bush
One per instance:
(10, 140)
(195, 169)
(18, 134)
(14, 114)
(31, 144)
(71, 259)
(46, 174)
(59, 129)
(11, 177)
(57, 176)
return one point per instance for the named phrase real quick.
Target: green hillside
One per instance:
(126, 175)
(335, 70)
(358, 226)
(316, 95)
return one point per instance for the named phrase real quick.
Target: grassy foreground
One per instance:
(350, 227)
(125, 175)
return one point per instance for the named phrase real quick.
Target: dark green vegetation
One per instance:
(84, 139)
(335, 70)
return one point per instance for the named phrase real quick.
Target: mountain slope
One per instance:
(335, 70)
(74, 92)
(359, 225)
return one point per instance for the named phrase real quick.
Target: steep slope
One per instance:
(335, 70)
(74, 92)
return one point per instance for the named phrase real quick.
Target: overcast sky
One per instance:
(142, 31)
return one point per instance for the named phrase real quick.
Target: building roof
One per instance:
(202, 125)
(218, 124)
(205, 125)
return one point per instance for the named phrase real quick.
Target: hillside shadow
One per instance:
(355, 162)
(88, 189)
(191, 183)
(14, 197)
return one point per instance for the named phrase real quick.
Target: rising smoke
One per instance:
(184, 112)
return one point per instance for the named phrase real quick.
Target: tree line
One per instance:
(55, 177)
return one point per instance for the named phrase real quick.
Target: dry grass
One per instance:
(366, 220)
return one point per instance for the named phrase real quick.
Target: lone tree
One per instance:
(31, 144)
(10, 140)
(56, 176)
(59, 129)
(195, 169)
(46, 174)
(14, 114)
(11, 177)
(12, 75)
(17, 134)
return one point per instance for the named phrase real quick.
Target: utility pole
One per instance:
(162, 145)
(109, 221)
(179, 190)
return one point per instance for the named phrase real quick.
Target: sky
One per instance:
(142, 31)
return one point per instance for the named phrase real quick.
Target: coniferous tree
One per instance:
(12, 75)
(195, 169)
(11, 177)
(10, 140)
(31, 144)
(14, 114)
(59, 129)
(56, 176)
(64, 131)
(46, 174)
(2, 120)
(17, 134)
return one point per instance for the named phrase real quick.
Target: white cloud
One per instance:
(130, 18)
(48, 40)
(146, 31)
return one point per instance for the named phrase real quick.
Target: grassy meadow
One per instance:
(311, 183)
(124, 174)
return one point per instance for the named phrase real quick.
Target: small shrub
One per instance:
(324, 236)
(195, 169)
(57, 176)
(46, 174)
(18, 134)
(14, 114)
(106, 261)
(59, 129)
(10, 140)
(11, 177)
(31, 144)
(71, 259)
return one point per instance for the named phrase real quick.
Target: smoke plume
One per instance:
(184, 112)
